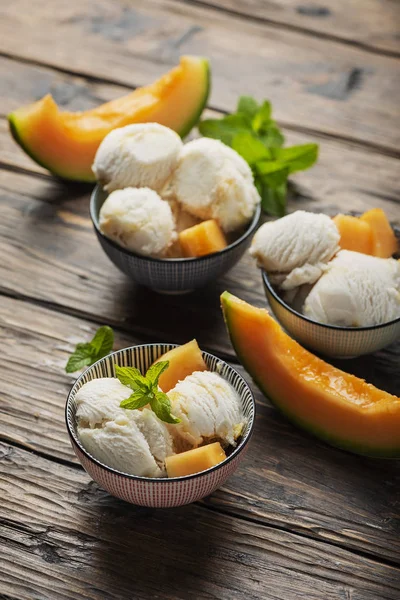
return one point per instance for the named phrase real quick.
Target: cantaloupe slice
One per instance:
(183, 361)
(194, 461)
(335, 406)
(205, 238)
(355, 234)
(384, 242)
(66, 143)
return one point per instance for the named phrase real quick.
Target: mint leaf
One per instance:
(135, 401)
(262, 118)
(161, 405)
(248, 106)
(250, 148)
(80, 358)
(272, 137)
(224, 129)
(298, 158)
(273, 199)
(155, 371)
(133, 378)
(273, 171)
(87, 353)
(103, 341)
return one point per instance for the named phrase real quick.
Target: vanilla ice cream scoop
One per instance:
(131, 441)
(139, 155)
(138, 220)
(209, 409)
(212, 181)
(295, 249)
(357, 290)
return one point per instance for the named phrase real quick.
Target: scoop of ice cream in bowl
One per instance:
(171, 443)
(332, 283)
(172, 216)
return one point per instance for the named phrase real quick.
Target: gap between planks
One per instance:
(290, 27)
(362, 144)
(209, 507)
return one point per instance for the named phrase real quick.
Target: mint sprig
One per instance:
(145, 390)
(85, 354)
(253, 133)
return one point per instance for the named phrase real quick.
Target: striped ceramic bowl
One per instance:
(331, 340)
(173, 275)
(159, 492)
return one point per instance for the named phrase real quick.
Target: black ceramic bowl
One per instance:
(172, 275)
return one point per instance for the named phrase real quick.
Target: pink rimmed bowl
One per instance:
(159, 492)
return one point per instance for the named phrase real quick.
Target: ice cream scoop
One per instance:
(357, 290)
(209, 409)
(139, 220)
(131, 441)
(139, 155)
(212, 181)
(295, 249)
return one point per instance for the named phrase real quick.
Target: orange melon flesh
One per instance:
(355, 235)
(384, 242)
(183, 361)
(205, 238)
(66, 143)
(194, 461)
(335, 406)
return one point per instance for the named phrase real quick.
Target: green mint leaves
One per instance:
(145, 390)
(85, 354)
(253, 133)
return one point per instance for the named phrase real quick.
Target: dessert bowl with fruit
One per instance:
(334, 284)
(160, 425)
(172, 216)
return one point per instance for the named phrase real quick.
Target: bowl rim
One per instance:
(250, 229)
(236, 451)
(272, 291)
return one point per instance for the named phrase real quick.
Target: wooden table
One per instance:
(299, 519)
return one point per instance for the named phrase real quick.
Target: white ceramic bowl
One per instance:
(159, 492)
(330, 340)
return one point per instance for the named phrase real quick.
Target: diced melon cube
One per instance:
(194, 461)
(202, 239)
(355, 234)
(183, 361)
(384, 242)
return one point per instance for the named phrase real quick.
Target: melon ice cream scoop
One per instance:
(131, 441)
(357, 290)
(139, 155)
(212, 181)
(295, 249)
(209, 409)
(139, 220)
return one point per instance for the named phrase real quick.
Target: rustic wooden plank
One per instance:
(371, 24)
(316, 84)
(353, 503)
(63, 536)
(54, 256)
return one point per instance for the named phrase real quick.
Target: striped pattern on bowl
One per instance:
(173, 275)
(336, 342)
(159, 492)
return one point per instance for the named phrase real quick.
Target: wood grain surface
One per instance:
(370, 24)
(313, 84)
(62, 535)
(280, 482)
(299, 519)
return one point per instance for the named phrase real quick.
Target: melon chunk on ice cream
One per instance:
(183, 360)
(195, 461)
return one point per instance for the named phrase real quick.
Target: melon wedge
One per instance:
(337, 407)
(65, 143)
